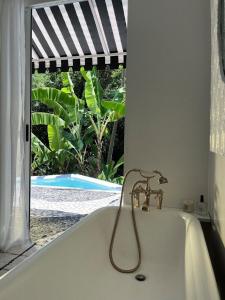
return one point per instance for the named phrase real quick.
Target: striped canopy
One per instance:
(82, 33)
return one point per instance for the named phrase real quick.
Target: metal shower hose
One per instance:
(134, 226)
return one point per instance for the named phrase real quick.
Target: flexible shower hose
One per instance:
(134, 226)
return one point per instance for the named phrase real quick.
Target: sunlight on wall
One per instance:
(217, 120)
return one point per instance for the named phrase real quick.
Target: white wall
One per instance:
(167, 124)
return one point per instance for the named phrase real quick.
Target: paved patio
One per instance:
(54, 202)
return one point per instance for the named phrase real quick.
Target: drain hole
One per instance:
(140, 277)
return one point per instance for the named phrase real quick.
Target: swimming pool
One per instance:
(74, 181)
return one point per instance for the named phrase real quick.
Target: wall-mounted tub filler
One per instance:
(138, 189)
(141, 186)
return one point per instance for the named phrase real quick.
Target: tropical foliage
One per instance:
(73, 128)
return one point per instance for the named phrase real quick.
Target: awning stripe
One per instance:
(45, 20)
(90, 32)
(34, 54)
(37, 20)
(84, 27)
(42, 40)
(71, 30)
(39, 45)
(114, 25)
(121, 22)
(64, 30)
(91, 26)
(99, 26)
(57, 30)
(34, 46)
(106, 25)
(77, 27)
(125, 9)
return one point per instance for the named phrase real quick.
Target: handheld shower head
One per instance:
(149, 175)
(163, 180)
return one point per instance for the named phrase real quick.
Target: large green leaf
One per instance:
(42, 94)
(119, 95)
(90, 94)
(37, 146)
(40, 118)
(109, 171)
(120, 162)
(68, 86)
(75, 143)
(118, 109)
(58, 109)
(54, 137)
(97, 86)
(40, 151)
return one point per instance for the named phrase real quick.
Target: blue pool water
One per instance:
(72, 182)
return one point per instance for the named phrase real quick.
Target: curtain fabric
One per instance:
(14, 207)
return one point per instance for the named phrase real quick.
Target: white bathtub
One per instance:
(76, 265)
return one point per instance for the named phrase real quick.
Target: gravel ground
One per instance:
(55, 210)
(44, 230)
(67, 195)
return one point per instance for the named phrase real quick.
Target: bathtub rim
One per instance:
(188, 219)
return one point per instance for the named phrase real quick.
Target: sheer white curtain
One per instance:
(14, 207)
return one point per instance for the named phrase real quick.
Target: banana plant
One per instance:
(100, 111)
(73, 123)
(64, 123)
(118, 106)
(41, 153)
(109, 171)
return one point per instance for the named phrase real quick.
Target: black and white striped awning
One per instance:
(82, 33)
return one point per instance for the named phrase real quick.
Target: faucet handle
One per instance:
(136, 194)
(159, 198)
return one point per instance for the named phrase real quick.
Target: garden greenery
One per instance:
(75, 120)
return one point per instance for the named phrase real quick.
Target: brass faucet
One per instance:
(138, 189)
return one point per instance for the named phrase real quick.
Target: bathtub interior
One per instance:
(76, 265)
